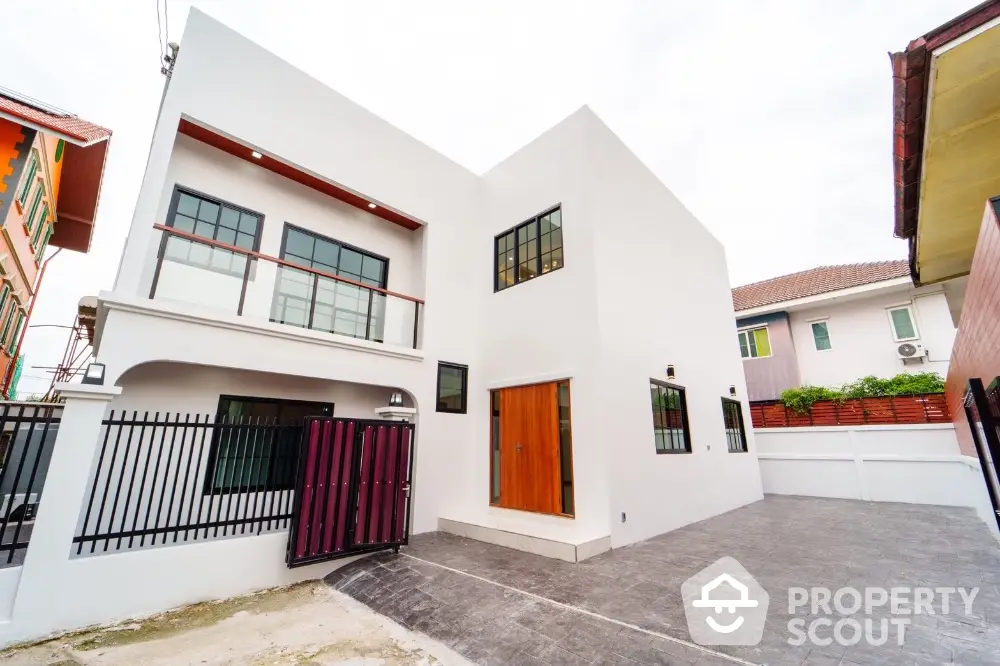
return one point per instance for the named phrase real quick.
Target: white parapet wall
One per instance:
(916, 464)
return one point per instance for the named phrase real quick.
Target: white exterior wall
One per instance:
(663, 299)
(862, 338)
(303, 122)
(917, 464)
(282, 202)
(543, 329)
(194, 389)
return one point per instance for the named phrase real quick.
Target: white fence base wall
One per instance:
(916, 464)
(10, 578)
(55, 591)
(97, 590)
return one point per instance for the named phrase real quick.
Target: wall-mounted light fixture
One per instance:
(396, 399)
(371, 205)
(94, 374)
(256, 155)
(670, 372)
(732, 390)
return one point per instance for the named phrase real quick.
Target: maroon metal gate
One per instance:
(352, 491)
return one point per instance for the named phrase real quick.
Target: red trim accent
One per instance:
(242, 152)
(967, 22)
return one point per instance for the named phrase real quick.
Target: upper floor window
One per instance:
(29, 178)
(8, 321)
(40, 253)
(529, 249)
(312, 301)
(213, 219)
(670, 420)
(36, 202)
(36, 235)
(903, 325)
(5, 294)
(12, 342)
(821, 335)
(755, 343)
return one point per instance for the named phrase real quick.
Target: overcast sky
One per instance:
(772, 121)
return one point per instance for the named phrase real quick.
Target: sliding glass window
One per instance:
(311, 301)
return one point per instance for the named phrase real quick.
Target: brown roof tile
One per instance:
(816, 281)
(73, 127)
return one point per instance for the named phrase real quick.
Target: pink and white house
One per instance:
(832, 325)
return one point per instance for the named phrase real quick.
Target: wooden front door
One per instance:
(529, 449)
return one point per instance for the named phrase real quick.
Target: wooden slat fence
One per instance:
(888, 410)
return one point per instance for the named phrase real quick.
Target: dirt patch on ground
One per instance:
(303, 625)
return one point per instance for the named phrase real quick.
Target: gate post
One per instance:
(48, 554)
(986, 440)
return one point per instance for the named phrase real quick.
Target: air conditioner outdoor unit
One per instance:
(911, 351)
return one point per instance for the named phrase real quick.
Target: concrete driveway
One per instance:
(500, 606)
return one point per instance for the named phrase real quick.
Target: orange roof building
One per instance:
(51, 169)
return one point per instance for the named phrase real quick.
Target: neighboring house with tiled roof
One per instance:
(834, 324)
(51, 170)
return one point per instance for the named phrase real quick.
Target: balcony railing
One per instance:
(193, 269)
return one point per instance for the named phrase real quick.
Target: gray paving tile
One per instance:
(782, 541)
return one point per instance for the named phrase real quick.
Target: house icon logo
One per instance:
(725, 605)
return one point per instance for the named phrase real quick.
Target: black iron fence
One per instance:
(175, 478)
(27, 437)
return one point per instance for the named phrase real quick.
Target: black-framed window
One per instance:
(213, 219)
(248, 457)
(310, 301)
(528, 250)
(670, 418)
(736, 436)
(452, 388)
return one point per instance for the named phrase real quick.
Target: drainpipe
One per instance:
(24, 329)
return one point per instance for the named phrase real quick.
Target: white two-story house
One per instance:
(291, 254)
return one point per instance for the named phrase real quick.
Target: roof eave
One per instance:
(869, 289)
(79, 196)
(83, 142)
(911, 72)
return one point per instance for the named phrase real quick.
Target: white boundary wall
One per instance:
(55, 591)
(916, 464)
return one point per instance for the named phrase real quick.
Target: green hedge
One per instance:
(801, 399)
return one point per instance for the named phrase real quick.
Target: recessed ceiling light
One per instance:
(256, 155)
(371, 205)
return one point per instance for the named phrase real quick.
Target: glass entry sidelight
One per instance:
(531, 457)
